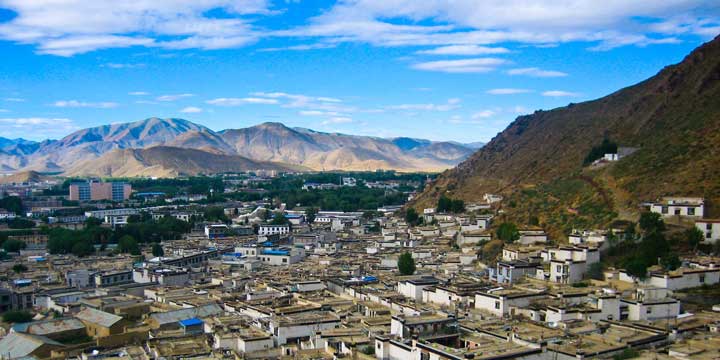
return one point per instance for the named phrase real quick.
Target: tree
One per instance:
(19, 268)
(128, 244)
(670, 261)
(279, 219)
(507, 232)
(406, 264)
(157, 250)
(20, 223)
(310, 214)
(651, 222)
(82, 248)
(636, 268)
(411, 216)
(694, 237)
(17, 316)
(12, 204)
(13, 245)
(92, 221)
(457, 206)
(595, 271)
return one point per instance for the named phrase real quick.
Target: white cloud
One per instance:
(14, 99)
(536, 72)
(475, 65)
(28, 127)
(4, 110)
(470, 22)
(191, 110)
(483, 114)
(84, 104)
(173, 97)
(464, 50)
(69, 27)
(320, 103)
(317, 113)
(559, 93)
(122, 66)
(240, 101)
(507, 91)
(451, 104)
(303, 47)
(138, 93)
(337, 120)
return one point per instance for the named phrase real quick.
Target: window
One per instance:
(664, 210)
(558, 268)
(708, 235)
(497, 305)
(677, 211)
(648, 310)
(691, 211)
(702, 278)
(708, 226)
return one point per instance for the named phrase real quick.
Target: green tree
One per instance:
(406, 264)
(694, 237)
(595, 271)
(636, 268)
(92, 222)
(651, 222)
(507, 232)
(17, 316)
(11, 204)
(128, 244)
(19, 268)
(157, 250)
(411, 216)
(310, 214)
(279, 219)
(457, 206)
(20, 223)
(670, 261)
(13, 245)
(82, 248)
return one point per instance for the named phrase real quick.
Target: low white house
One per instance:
(679, 206)
(267, 229)
(710, 229)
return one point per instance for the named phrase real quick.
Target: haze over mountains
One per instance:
(170, 147)
(673, 119)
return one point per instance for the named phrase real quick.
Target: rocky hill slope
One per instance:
(672, 119)
(267, 142)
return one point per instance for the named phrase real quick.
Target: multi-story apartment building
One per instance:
(91, 191)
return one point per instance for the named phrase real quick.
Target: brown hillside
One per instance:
(673, 118)
(163, 161)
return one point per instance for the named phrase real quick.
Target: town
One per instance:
(272, 265)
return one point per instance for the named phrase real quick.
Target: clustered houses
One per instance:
(332, 289)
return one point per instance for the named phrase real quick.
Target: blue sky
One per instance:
(383, 68)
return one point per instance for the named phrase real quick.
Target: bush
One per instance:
(157, 250)
(597, 152)
(19, 268)
(507, 232)
(13, 245)
(17, 316)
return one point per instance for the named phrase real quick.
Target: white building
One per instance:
(413, 288)
(710, 229)
(679, 206)
(267, 229)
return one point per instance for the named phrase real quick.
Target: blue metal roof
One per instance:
(275, 252)
(191, 322)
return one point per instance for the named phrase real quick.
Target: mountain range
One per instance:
(171, 147)
(672, 120)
